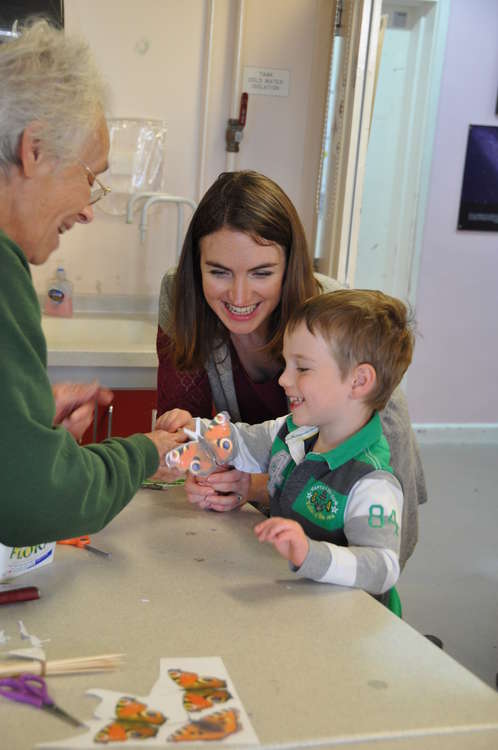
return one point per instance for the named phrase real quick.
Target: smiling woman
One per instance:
(60, 196)
(53, 144)
(242, 284)
(51, 126)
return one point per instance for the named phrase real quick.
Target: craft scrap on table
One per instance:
(149, 484)
(193, 702)
(34, 651)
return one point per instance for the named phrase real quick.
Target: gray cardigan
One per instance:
(395, 419)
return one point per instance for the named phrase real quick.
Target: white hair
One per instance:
(51, 79)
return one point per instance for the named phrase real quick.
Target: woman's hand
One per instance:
(175, 420)
(205, 492)
(75, 405)
(287, 537)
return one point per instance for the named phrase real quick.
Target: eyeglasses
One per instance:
(97, 189)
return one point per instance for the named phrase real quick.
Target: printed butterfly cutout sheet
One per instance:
(194, 702)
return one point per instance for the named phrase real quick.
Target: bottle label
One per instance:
(21, 553)
(56, 295)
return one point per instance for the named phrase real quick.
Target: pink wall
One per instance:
(454, 376)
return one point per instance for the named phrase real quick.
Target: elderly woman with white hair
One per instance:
(53, 144)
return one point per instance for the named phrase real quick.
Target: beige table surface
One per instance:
(313, 664)
(475, 740)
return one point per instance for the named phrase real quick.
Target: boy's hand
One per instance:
(287, 537)
(174, 420)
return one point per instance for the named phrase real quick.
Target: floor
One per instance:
(449, 587)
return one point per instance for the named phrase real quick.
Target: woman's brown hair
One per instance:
(247, 202)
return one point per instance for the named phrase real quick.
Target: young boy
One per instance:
(335, 505)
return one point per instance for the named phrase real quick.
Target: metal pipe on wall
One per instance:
(206, 86)
(230, 162)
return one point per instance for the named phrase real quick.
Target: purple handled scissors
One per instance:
(32, 689)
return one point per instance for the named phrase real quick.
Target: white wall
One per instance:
(454, 377)
(455, 372)
(152, 53)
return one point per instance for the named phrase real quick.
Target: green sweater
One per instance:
(50, 487)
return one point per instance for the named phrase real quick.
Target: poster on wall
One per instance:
(479, 199)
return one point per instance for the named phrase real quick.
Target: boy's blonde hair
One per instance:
(362, 326)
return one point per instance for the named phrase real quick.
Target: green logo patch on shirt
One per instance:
(321, 504)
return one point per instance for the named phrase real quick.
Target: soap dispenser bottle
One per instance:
(59, 299)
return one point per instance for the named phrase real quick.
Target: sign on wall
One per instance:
(266, 81)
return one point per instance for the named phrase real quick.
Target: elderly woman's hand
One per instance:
(223, 490)
(164, 442)
(75, 405)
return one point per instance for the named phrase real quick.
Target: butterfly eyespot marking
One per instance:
(195, 466)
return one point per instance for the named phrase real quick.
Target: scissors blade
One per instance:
(97, 551)
(57, 711)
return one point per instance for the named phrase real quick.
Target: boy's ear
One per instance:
(29, 149)
(364, 378)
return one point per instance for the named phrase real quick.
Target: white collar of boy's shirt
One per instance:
(295, 441)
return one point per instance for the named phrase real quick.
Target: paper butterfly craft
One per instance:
(215, 726)
(133, 722)
(211, 448)
(200, 692)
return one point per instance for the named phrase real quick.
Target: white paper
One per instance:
(33, 639)
(167, 698)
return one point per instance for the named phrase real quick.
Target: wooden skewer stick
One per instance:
(78, 665)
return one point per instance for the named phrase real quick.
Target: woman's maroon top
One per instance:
(191, 390)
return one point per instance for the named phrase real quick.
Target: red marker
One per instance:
(19, 595)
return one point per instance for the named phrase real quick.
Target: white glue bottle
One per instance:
(59, 299)
(17, 560)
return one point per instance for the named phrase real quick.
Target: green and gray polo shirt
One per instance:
(347, 500)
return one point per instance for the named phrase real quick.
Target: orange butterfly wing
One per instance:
(190, 457)
(121, 731)
(198, 700)
(134, 721)
(201, 456)
(130, 709)
(218, 435)
(192, 679)
(200, 692)
(216, 726)
(114, 732)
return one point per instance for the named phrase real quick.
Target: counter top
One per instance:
(313, 664)
(118, 350)
(92, 340)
